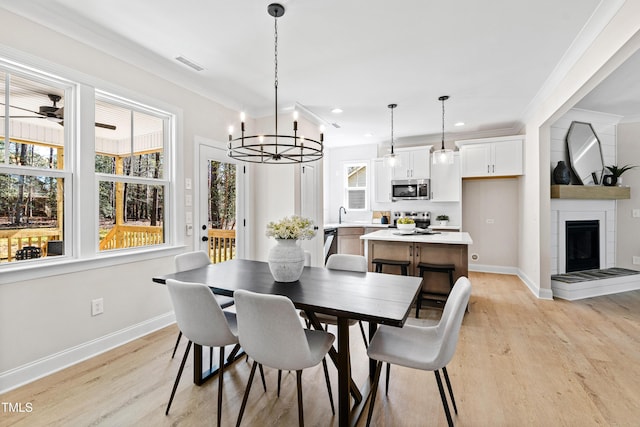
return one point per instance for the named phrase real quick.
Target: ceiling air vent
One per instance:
(189, 63)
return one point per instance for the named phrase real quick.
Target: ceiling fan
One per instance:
(52, 112)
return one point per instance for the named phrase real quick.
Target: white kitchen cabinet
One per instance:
(382, 181)
(414, 163)
(446, 184)
(491, 157)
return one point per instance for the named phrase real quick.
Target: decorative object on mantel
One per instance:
(615, 177)
(276, 148)
(443, 219)
(561, 173)
(286, 259)
(392, 158)
(590, 192)
(443, 155)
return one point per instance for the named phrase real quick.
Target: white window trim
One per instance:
(366, 188)
(83, 233)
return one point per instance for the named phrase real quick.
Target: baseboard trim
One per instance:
(40, 368)
(498, 269)
(535, 290)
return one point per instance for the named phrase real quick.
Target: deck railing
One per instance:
(12, 241)
(222, 245)
(129, 236)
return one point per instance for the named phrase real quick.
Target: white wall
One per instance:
(628, 237)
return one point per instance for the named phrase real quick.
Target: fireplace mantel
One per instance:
(592, 192)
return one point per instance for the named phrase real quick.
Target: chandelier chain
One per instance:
(276, 51)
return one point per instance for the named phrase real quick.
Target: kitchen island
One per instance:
(437, 248)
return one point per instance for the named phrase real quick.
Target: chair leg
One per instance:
(234, 353)
(446, 378)
(374, 391)
(264, 384)
(175, 384)
(220, 377)
(279, 380)
(386, 392)
(326, 378)
(246, 393)
(176, 347)
(364, 336)
(300, 409)
(210, 358)
(419, 304)
(444, 398)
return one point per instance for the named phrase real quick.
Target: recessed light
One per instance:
(459, 124)
(336, 110)
(368, 135)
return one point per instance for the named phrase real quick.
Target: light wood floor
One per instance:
(519, 362)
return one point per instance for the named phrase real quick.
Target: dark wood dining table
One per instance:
(375, 298)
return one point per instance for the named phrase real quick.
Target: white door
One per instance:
(309, 209)
(220, 227)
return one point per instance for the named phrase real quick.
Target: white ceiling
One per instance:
(494, 58)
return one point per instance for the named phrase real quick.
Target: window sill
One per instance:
(23, 271)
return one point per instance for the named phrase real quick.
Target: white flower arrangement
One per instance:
(294, 227)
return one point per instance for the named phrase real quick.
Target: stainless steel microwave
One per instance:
(410, 189)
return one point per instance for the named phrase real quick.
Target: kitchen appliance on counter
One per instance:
(410, 189)
(422, 219)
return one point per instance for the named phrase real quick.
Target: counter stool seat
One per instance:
(379, 262)
(434, 268)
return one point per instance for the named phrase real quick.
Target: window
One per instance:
(32, 170)
(356, 180)
(44, 173)
(129, 164)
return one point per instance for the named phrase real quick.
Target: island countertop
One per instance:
(392, 235)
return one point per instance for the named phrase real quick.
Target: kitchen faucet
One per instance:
(340, 214)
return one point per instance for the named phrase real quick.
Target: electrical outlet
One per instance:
(636, 260)
(97, 306)
(490, 220)
(635, 213)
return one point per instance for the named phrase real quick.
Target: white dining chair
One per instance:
(203, 322)
(190, 261)
(428, 348)
(270, 332)
(345, 262)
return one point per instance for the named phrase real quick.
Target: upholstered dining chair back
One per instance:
(199, 315)
(448, 329)
(191, 260)
(347, 262)
(270, 331)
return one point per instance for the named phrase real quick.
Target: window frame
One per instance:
(80, 178)
(347, 188)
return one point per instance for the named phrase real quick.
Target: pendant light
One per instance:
(275, 148)
(392, 158)
(443, 155)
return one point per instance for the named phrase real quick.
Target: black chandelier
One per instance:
(275, 148)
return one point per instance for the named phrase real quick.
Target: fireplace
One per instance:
(582, 245)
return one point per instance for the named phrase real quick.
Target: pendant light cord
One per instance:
(275, 55)
(392, 130)
(443, 99)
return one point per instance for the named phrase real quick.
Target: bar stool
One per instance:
(434, 268)
(379, 262)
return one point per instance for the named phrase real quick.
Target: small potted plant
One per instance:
(406, 224)
(444, 219)
(616, 172)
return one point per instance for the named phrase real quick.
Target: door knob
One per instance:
(205, 238)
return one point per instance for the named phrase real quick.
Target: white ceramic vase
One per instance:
(286, 260)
